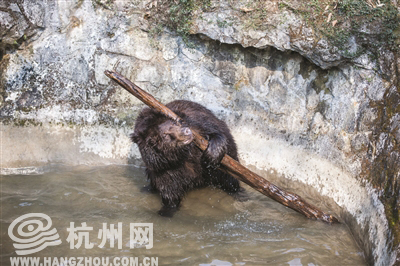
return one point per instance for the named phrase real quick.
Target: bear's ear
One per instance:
(135, 137)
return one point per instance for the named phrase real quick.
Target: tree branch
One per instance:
(228, 164)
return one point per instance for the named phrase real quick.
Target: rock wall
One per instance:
(295, 103)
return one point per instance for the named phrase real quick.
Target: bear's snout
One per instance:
(187, 135)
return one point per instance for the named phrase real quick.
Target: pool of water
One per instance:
(211, 228)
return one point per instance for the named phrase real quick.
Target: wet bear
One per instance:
(174, 165)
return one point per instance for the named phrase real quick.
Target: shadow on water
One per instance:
(211, 228)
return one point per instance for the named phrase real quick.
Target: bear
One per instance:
(174, 165)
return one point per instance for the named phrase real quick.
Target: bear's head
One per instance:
(162, 142)
(175, 135)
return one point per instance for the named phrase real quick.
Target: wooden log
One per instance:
(228, 164)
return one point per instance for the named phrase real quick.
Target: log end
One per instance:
(330, 219)
(108, 73)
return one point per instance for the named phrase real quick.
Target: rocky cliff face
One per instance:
(318, 106)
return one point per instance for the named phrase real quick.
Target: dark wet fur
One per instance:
(174, 167)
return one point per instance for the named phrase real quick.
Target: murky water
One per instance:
(211, 228)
